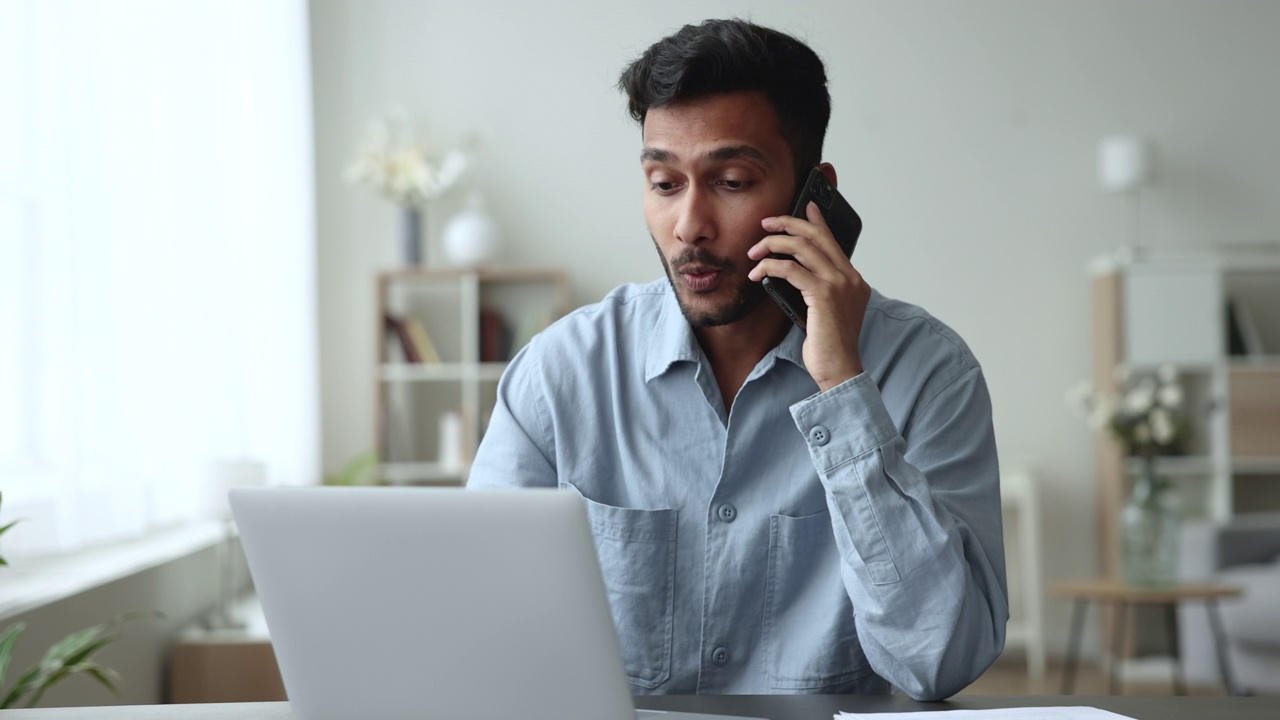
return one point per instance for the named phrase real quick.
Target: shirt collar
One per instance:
(674, 341)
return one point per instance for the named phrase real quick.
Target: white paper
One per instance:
(1028, 713)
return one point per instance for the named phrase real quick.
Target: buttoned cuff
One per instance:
(844, 422)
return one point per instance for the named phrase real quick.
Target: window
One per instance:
(157, 260)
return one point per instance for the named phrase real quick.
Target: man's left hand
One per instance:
(835, 293)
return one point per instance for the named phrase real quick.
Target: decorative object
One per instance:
(451, 440)
(1124, 167)
(471, 236)
(411, 219)
(407, 171)
(1147, 419)
(1150, 522)
(227, 475)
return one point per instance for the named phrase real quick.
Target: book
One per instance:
(1235, 339)
(421, 340)
(1250, 338)
(495, 339)
(400, 332)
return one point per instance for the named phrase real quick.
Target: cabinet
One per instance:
(433, 402)
(1216, 318)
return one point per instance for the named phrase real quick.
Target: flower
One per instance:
(400, 167)
(1146, 415)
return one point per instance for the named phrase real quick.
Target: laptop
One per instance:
(405, 603)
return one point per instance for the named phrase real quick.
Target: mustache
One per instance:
(700, 257)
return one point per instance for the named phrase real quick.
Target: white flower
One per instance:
(1170, 396)
(1167, 373)
(1080, 397)
(403, 170)
(1140, 399)
(1104, 408)
(1162, 427)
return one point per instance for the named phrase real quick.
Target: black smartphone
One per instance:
(845, 226)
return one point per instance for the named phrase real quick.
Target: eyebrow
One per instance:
(732, 152)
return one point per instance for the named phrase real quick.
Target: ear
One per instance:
(830, 171)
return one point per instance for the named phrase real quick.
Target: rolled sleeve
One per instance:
(918, 527)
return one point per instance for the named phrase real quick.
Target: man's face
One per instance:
(714, 168)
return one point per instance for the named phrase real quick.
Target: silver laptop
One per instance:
(405, 603)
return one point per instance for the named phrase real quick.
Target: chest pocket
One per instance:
(809, 632)
(637, 550)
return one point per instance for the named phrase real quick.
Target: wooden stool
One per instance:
(1121, 596)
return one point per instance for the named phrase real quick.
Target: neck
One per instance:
(735, 349)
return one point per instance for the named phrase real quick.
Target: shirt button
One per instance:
(728, 512)
(720, 656)
(818, 435)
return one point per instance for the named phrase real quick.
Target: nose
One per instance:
(695, 222)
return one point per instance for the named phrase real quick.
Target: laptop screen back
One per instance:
(406, 603)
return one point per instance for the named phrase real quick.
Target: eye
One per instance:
(733, 184)
(664, 187)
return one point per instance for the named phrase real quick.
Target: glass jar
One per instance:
(1149, 524)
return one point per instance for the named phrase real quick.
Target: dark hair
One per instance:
(723, 56)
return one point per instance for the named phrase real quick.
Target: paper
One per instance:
(1029, 713)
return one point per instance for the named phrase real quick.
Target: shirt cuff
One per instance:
(844, 422)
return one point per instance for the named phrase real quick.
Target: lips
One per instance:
(701, 278)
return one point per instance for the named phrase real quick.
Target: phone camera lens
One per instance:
(824, 195)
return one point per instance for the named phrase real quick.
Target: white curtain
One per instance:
(157, 259)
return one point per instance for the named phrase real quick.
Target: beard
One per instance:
(746, 297)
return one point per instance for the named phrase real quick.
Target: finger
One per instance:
(805, 252)
(791, 270)
(782, 269)
(813, 228)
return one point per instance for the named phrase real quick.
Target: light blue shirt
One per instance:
(803, 543)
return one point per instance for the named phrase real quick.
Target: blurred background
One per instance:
(194, 280)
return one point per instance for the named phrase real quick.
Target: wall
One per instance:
(964, 132)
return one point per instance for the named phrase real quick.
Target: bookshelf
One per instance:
(1216, 318)
(433, 402)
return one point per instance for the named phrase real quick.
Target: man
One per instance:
(774, 511)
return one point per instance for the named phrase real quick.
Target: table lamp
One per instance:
(1124, 167)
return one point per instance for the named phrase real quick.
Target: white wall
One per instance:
(964, 133)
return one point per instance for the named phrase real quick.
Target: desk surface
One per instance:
(773, 707)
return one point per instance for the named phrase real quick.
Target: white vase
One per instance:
(470, 237)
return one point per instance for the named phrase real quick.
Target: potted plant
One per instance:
(72, 655)
(1146, 416)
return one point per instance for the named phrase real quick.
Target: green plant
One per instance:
(359, 470)
(73, 654)
(69, 656)
(3, 562)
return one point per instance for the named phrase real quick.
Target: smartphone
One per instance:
(845, 226)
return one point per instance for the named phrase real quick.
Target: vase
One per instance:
(411, 222)
(1150, 523)
(471, 236)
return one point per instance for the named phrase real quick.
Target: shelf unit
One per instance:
(413, 397)
(1174, 310)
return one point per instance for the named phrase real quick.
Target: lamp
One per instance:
(1124, 167)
